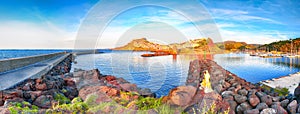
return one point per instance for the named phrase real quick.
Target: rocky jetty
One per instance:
(231, 93)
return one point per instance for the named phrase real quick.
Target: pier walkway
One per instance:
(13, 77)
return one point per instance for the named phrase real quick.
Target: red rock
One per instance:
(110, 78)
(98, 90)
(69, 81)
(128, 87)
(38, 80)
(41, 87)
(182, 95)
(253, 100)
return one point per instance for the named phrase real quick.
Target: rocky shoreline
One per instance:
(61, 91)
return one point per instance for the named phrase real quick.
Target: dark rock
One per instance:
(292, 107)
(268, 111)
(284, 103)
(266, 99)
(227, 94)
(297, 93)
(233, 106)
(128, 87)
(240, 98)
(44, 101)
(243, 92)
(252, 111)
(278, 108)
(8, 102)
(298, 109)
(243, 107)
(260, 94)
(261, 106)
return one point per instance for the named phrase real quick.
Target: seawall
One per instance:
(15, 63)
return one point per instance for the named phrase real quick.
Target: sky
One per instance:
(59, 24)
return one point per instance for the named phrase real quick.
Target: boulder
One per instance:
(268, 111)
(44, 101)
(284, 103)
(128, 87)
(279, 109)
(266, 99)
(261, 106)
(108, 91)
(240, 109)
(41, 86)
(292, 107)
(252, 111)
(240, 98)
(243, 92)
(253, 99)
(181, 95)
(227, 94)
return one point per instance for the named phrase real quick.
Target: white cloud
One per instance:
(22, 35)
(250, 37)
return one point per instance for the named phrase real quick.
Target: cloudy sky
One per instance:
(59, 23)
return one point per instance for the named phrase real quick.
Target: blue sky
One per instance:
(54, 23)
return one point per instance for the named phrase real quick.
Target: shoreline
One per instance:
(290, 82)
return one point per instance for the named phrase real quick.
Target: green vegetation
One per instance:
(281, 91)
(148, 103)
(60, 98)
(22, 108)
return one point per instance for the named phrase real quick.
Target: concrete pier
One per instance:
(11, 78)
(15, 63)
(291, 82)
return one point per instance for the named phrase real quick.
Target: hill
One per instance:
(282, 46)
(192, 46)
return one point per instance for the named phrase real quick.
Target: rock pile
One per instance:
(241, 96)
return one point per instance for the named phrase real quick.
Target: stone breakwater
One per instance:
(231, 93)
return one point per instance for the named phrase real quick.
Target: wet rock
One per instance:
(243, 107)
(292, 107)
(284, 103)
(253, 99)
(252, 111)
(44, 101)
(266, 99)
(128, 87)
(240, 98)
(181, 95)
(268, 111)
(279, 109)
(261, 106)
(243, 92)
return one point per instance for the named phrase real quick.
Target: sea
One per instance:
(162, 73)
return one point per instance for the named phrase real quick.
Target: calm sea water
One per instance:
(6, 54)
(163, 73)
